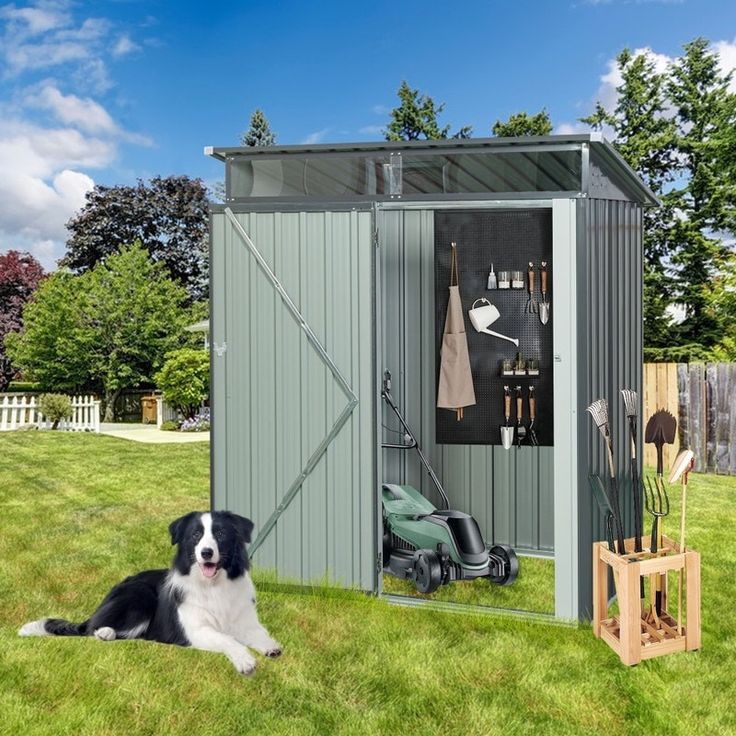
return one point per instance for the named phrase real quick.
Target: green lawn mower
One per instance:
(431, 546)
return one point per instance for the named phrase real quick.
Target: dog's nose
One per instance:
(206, 553)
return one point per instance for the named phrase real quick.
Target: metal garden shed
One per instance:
(328, 266)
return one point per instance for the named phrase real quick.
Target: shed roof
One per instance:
(581, 165)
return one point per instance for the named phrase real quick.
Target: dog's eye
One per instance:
(196, 536)
(220, 535)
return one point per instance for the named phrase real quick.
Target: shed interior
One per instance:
(509, 492)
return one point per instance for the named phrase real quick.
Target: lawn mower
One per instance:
(430, 546)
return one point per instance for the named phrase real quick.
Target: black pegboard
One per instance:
(509, 239)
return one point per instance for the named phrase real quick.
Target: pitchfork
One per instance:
(658, 505)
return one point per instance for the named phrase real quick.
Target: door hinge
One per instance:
(379, 562)
(220, 350)
(375, 239)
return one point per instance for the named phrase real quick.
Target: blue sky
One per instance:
(109, 91)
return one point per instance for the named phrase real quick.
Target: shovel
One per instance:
(483, 317)
(507, 433)
(660, 430)
(544, 304)
(520, 428)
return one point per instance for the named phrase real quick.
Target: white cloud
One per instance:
(93, 77)
(52, 136)
(92, 29)
(727, 55)
(571, 129)
(124, 46)
(31, 56)
(317, 137)
(380, 110)
(34, 20)
(85, 114)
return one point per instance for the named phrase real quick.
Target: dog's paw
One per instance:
(244, 662)
(34, 628)
(105, 633)
(274, 651)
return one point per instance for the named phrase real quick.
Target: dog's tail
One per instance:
(54, 627)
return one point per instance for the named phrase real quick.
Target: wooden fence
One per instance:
(701, 396)
(20, 411)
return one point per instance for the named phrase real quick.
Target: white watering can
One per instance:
(483, 317)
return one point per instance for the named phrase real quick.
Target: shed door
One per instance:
(293, 389)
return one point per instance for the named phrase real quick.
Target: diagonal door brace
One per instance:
(314, 458)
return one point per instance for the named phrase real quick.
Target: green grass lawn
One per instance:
(79, 512)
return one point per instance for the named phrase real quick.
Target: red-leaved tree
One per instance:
(20, 275)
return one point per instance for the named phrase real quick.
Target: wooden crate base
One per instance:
(634, 635)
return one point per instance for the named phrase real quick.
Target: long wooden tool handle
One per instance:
(532, 407)
(507, 406)
(530, 274)
(682, 517)
(519, 407)
(544, 279)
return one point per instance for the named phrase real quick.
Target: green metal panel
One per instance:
(275, 399)
(505, 491)
(610, 349)
(566, 413)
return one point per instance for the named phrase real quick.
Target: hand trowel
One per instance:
(507, 432)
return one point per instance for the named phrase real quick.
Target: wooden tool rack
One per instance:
(634, 634)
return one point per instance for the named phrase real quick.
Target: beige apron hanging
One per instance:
(456, 381)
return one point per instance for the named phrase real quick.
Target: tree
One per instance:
(416, 118)
(109, 328)
(51, 348)
(706, 200)
(644, 134)
(185, 380)
(168, 216)
(259, 133)
(20, 275)
(522, 124)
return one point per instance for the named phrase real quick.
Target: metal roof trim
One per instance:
(618, 165)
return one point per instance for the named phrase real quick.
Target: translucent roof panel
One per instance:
(479, 168)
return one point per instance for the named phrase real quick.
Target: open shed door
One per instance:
(294, 389)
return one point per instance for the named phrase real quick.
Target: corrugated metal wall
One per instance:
(274, 400)
(610, 354)
(510, 493)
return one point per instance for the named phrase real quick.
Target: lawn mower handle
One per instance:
(386, 396)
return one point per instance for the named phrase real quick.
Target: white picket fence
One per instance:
(164, 412)
(19, 411)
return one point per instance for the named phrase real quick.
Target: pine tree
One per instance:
(644, 135)
(259, 133)
(522, 124)
(416, 118)
(706, 200)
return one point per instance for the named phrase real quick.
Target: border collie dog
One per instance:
(206, 600)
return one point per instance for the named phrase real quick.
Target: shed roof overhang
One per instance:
(581, 165)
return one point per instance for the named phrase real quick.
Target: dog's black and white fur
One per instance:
(206, 600)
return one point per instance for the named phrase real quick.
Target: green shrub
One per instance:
(55, 407)
(184, 380)
(22, 386)
(169, 426)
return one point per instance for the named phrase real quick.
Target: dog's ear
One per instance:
(243, 526)
(178, 527)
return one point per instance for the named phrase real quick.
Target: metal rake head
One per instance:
(631, 403)
(599, 411)
(657, 504)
